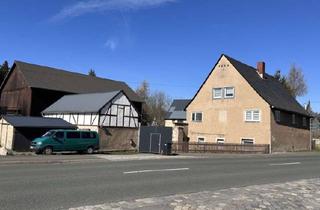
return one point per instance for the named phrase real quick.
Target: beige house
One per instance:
(177, 119)
(240, 104)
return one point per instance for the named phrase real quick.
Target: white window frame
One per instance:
(252, 114)
(247, 138)
(201, 137)
(195, 118)
(225, 92)
(219, 138)
(277, 115)
(214, 93)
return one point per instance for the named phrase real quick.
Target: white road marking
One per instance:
(284, 164)
(156, 170)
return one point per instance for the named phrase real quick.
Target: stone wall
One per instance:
(288, 139)
(112, 139)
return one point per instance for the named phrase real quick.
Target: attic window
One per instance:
(217, 93)
(228, 92)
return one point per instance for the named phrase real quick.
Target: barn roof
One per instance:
(177, 109)
(60, 80)
(269, 88)
(37, 122)
(81, 103)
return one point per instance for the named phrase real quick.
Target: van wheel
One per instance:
(90, 150)
(47, 151)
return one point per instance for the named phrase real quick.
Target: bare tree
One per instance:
(143, 90)
(156, 104)
(296, 82)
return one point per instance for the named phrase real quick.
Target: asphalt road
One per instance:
(64, 185)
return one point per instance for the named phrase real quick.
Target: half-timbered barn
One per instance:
(111, 114)
(28, 88)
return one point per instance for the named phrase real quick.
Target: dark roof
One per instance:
(269, 88)
(81, 103)
(37, 122)
(177, 109)
(60, 80)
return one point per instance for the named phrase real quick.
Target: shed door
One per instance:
(155, 142)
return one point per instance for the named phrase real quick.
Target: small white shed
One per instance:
(111, 114)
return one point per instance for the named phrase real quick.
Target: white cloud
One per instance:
(112, 44)
(90, 6)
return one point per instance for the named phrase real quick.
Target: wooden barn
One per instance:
(28, 88)
(111, 114)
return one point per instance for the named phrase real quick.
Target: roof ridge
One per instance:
(228, 57)
(63, 70)
(97, 93)
(253, 68)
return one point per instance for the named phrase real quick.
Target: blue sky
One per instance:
(173, 44)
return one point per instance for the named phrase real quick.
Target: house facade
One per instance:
(240, 104)
(111, 114)
(177, 119)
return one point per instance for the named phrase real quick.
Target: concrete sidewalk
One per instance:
(142, 156)
(76, 158)
(46, 159)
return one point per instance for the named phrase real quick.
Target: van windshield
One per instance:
(48, 134)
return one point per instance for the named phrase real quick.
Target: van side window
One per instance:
(88, 135)
(93, 135)
(59, 135)
(73, 135)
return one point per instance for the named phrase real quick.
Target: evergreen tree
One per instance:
(92, 73)
(4, 70)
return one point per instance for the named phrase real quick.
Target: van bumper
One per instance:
(35, 149)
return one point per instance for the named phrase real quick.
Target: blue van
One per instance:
(66, 140)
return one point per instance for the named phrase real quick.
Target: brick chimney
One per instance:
(261, 68)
